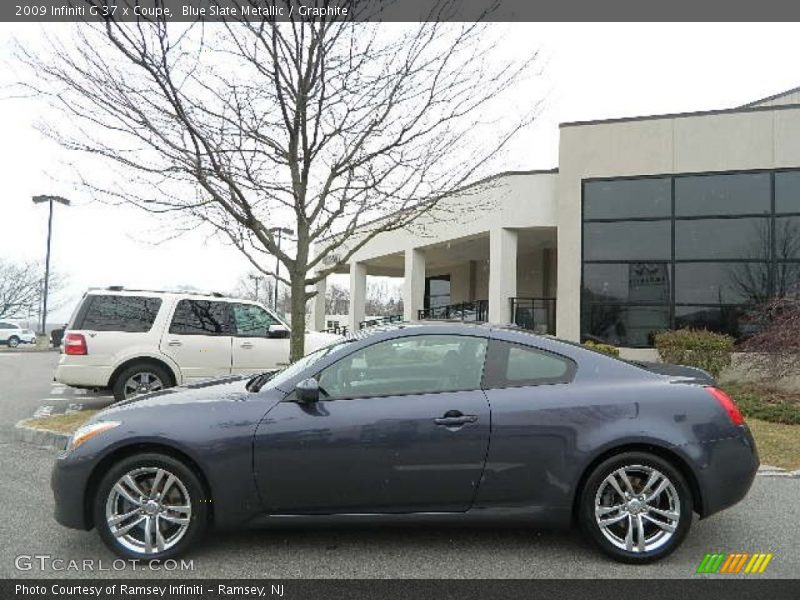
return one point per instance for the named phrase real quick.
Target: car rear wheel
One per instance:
(150, 506)
(636, 507)
(140, 378)
(13, 341)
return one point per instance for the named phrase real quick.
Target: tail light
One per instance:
(75, 344)
(728, 405)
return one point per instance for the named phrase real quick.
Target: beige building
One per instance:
(648, 223)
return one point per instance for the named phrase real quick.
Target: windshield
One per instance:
(308, 360)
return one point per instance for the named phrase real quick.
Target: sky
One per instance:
(590, 71)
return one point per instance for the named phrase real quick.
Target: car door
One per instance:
(199, 339)
(254, 351)
(402, 426)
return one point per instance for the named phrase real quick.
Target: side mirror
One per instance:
(277, 331)
(308, 391)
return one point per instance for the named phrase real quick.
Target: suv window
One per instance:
(8, 326)
(252, 321)
(418, 364)
(132, 314)
(200, 317)
(516, 365)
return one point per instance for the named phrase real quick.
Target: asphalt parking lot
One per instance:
(765, 522)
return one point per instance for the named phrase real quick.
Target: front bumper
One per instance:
(69, 481)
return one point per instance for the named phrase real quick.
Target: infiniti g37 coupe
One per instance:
(418, 423)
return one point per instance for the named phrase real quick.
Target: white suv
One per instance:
(134, 341)
(13, 335)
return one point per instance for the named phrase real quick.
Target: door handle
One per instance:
(174, 343)
(450, 419)
(247, 345)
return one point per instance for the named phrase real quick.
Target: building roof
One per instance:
(789, 99)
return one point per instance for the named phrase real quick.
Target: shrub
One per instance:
(774, 350)
(604, 348)
(695, 348)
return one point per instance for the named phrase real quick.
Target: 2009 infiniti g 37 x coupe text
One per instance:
(418, 423)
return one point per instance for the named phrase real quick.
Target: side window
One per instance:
(132, 314)
(251, 320)
(200, 317)
(418, 364)
(516, 365)
(6, 326)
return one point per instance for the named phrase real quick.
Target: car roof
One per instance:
(121, 291)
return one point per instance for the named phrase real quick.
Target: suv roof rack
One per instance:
(121, 288)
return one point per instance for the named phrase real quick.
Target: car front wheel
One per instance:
(13, 341)
(636, 507)
(150, 506)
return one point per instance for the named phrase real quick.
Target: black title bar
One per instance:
(399, 10)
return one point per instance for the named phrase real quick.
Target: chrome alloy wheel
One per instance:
(142, 382)
(637, 508)
(148, 510)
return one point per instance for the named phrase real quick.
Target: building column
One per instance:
(358, 293)
(413, 284)
(318, 309)
(502, 273)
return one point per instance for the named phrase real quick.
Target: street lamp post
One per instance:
(256, 282)
(280, 231)
(49, 200)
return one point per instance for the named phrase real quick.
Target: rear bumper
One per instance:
(83, 375)
(731, 466)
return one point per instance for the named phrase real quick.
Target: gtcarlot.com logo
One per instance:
(737, 562)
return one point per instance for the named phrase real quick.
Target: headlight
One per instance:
(87, 432)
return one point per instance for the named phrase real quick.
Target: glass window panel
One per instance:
(132, 314)
(627, 198)
(633, 282)
(736, 321)
(634, 240)
(420, 364)
(732, 194)
(787, 192)
(722, 238)
(787, 238)
(721, 283)
(624, 325)
(252, 320)
(200, 317)
(787, 279)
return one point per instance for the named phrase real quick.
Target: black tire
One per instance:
(13, 341)
(138, 368)
(663, 542)
(197, 499)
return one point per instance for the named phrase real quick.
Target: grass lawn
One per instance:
(67, 423)
(778, 444)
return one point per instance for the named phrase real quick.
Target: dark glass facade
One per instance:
(698, 250)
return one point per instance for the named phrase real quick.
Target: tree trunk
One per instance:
(297, 339)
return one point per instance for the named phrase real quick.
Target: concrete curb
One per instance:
(770, 471)
(40, 437)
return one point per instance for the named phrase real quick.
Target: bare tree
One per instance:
(338, 129)
(21, 288)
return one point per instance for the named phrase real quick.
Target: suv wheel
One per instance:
(636, 507)
(140, 378)
(150, 506)
(13, 341)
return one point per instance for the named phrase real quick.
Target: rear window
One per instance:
(132, 314)
(201, 317)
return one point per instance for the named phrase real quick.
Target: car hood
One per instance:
(231, 388)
